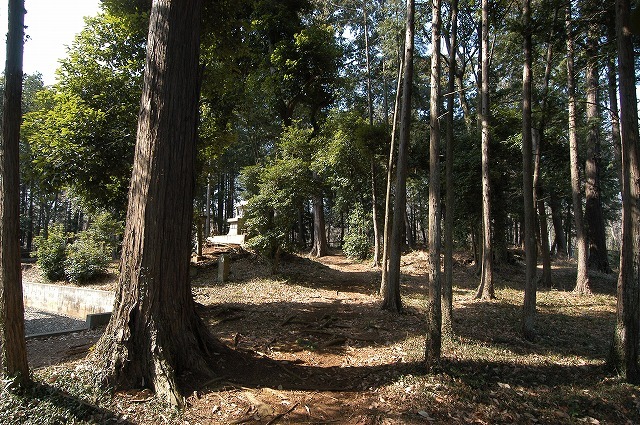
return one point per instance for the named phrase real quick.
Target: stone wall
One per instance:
(68, 300)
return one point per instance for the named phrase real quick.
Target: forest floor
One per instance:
(317, 349)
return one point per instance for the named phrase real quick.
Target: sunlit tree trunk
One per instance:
(391, 297)
(386, 234)
(320, 246)
(374, 186)
(447, 284)
(529, 309)
(434, 307)
(13, 351)
(582, 280)
(485, 288)
(155, 335)
(624, 349)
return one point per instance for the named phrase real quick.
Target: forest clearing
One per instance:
(316, 348)
(477, 163)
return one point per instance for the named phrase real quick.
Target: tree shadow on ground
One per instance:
(493, 322)
(502, 391)
(57, 406)
(318, 273)
(327, 327)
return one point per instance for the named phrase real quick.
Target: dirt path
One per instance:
(312, 346)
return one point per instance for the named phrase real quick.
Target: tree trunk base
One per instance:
(168, 357)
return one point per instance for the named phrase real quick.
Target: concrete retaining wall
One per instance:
(68, 300)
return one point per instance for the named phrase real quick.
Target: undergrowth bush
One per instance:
(87, 257)
(356, 240)
(51, 252)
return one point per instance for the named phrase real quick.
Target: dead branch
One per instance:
(282, 415)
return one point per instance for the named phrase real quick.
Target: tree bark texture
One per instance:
(485, 288)
(594, 216)
(391, 297)
(434, 303)
(155, 334)
(13, 351)
(624, 349)
(447, 284)
(582, 280)
(529, 307)
(319, 230)
(386, 233)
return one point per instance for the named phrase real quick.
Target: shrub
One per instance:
(356, 240)
(51, 253)
(106, 231)
(86, 258)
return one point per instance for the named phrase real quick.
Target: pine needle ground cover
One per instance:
(311, 345)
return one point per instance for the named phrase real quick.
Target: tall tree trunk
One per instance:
(538, 202)
(387, 200)
(374, 188)
(612, 89)
(485, 288)
(529, 308)
(538, 185)
(624, 349)
(558, 227)
(434, 308)
(447, 285)
(207, 209)
(582, 280)
(594, 217)
(13, 351)
(319, 229)
(155, 335)
(391, 297)
(220, 209)
(30, 229)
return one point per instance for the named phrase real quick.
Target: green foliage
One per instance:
(86, 258)
(51, 252)
(81, 131)
(275, 191)
(106, 231)
(356, 241)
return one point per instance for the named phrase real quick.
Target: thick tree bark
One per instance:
(582, 280)
(594, 216)
(447, 285)
(624, 349)
(155, 334)
(392, 300)
(485, 288)
(13, 351)
(434, 307)
(529, 308)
